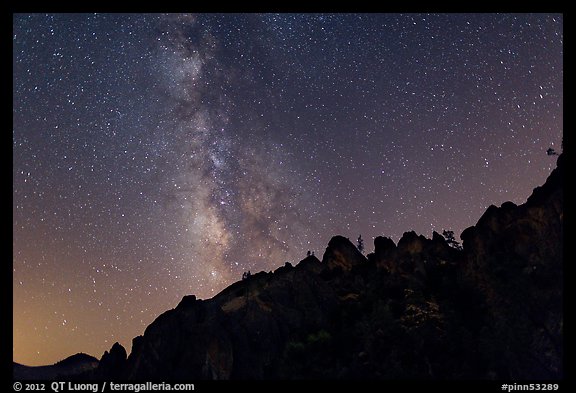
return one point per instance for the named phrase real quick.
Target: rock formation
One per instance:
(418, 309)
(68, 368)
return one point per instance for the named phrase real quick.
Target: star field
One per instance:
(156, 156)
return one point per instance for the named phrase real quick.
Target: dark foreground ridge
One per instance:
(69, 367)
(418, 309)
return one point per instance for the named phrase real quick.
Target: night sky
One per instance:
(156, 156)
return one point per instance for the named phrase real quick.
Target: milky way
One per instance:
(227, 197)
(157, 156)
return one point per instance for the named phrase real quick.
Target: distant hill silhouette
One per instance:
(69, 367)
(418, 309)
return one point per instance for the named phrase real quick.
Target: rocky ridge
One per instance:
(68, 368)
(416, 309)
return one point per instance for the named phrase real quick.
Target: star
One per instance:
(157, 156)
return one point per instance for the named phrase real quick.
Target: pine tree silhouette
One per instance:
(360, 244)
(451, 240)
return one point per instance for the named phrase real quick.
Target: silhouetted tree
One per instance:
(451, 240)
(308, 253)
(360, 244)
(551, 152)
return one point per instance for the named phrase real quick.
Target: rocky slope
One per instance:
(418, 309)
(65, 369)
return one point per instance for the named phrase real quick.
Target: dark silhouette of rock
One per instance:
(113, 363)
(513, 261)
(287, 267)
(311, 263)
(421, 309)
(383, 245)
(187, 301)
(137, 343)
(64, 369)
(342, 254)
